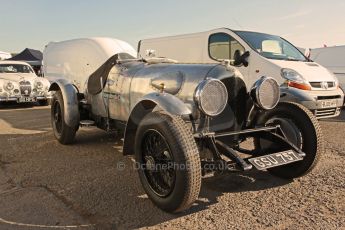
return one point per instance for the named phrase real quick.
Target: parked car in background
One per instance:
(333, 58)
(179, 120)
(255, 55)
(19, 83)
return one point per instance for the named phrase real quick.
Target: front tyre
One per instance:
(63, 133)
(301, 128)
(168, 162)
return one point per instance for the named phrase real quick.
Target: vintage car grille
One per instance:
(321, 85)
(25, 88)
(325, 112)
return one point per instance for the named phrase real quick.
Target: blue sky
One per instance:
(33, 23)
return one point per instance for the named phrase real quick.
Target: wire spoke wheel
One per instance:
(170, 169)
(158, 163)
(302, 129)
(291, 131)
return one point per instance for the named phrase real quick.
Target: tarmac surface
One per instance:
(91, 185)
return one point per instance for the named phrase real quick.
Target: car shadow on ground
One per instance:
(16, 106)
(215, 187)
(86, 176)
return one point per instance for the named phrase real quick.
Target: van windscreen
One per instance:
(271, 46)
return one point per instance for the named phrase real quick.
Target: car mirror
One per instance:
(241, 58)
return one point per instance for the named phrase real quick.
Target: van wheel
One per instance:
(63, 133)
(301, 128)
(169, 163)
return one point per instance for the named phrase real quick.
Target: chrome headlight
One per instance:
(9, 86)
(336, 80)
(211, 97)
(38, 85)
(265, 93)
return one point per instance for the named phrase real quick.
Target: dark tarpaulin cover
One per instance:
(31, 56)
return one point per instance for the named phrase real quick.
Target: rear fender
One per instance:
(70, 98)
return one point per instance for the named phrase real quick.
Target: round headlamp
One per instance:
(211, 97)
(38, 85)
(9, 86)
(265, 93)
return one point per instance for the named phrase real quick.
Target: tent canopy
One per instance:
(33, 57)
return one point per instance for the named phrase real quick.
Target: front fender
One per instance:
(167, 102)
(150, 102)
(70, 99)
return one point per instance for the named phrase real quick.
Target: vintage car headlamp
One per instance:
(211, 97)
(8, 86)
(265, 93)
(38, 85)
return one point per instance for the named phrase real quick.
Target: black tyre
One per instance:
(170, 168)
(302, 129)
(62, 131)
(43, 102)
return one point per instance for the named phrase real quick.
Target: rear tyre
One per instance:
(62, 132)
(302, 129)
(169, 163)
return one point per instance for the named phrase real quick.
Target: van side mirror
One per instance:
(241, 58)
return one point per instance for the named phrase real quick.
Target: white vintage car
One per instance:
(19, 83)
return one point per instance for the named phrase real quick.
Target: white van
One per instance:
(333, 58)
(255, 55)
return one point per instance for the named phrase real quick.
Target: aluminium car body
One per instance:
(19, 83)
(180, 121)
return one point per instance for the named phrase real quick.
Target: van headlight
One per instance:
(336, 80)
(211, 97)
(294, 79)
(265, 93)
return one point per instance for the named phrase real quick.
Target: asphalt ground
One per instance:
(91, 185)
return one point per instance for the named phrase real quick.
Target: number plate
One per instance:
(275, 159)
(26, 99)
(328, 103)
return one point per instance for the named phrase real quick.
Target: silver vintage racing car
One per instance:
(183, 121)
